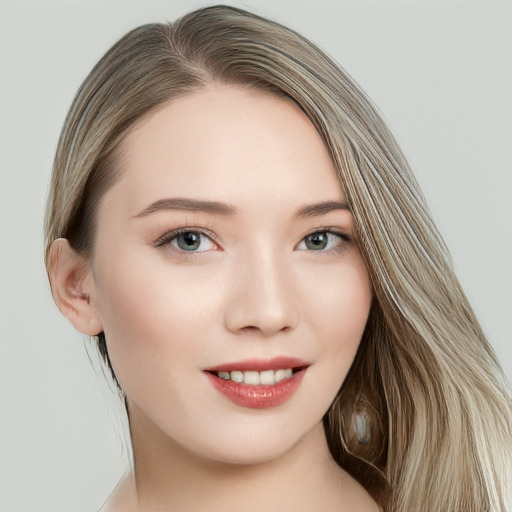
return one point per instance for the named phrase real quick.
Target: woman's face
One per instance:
(225, 252)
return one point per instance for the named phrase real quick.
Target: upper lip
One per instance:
(257, 364)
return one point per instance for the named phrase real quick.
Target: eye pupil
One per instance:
(189, 241)
(317, 241)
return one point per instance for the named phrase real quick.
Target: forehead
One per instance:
(230, 143)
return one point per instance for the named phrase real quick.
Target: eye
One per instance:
(321, 241)
(187, 240)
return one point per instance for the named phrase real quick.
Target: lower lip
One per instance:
(260, 396)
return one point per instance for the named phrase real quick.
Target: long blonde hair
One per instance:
(424, 417)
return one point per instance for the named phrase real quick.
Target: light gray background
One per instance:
(440, 73)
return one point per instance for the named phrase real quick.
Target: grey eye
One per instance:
(317, 241)
(189, 241)
(192, 241)
(321, 241)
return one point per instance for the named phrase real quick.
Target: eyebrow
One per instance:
(322, 208)
(190, 205)
(215, 207)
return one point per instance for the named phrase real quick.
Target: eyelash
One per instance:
(344, 239)
(168, 237)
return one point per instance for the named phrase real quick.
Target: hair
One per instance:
(424, 417)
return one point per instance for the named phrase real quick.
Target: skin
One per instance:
(253, 288)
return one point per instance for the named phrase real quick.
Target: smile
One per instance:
(258, 384)
(254, 378)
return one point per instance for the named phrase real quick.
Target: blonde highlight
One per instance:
(424, 417)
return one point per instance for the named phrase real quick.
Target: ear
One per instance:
(71, 283)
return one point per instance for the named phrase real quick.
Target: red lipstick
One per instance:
(258, 396)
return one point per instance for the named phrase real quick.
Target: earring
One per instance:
(360, 426)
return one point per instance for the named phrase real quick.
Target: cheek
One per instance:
(340, 297)
(152, 318)
(338, 315)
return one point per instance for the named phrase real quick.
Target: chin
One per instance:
(263, 453)
(254, 444)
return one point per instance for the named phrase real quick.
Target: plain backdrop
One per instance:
(440, 72)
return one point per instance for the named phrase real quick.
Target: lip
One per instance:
(261, 365)
(259, 396)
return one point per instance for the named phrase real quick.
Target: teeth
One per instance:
(279, 375)
(237, 376)
(254, 378)
(267, 377)
(251, 378)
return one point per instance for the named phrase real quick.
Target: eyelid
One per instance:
(330, 229)
(167, 237)
(336, 231)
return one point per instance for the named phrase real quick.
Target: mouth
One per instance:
(256, 378)
(259, 384)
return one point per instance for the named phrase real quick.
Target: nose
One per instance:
(262, 296)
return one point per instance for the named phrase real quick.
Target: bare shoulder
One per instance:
(123, 497)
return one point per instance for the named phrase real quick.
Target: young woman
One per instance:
(232, 219)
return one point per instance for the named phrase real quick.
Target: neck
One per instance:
(168, 477)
